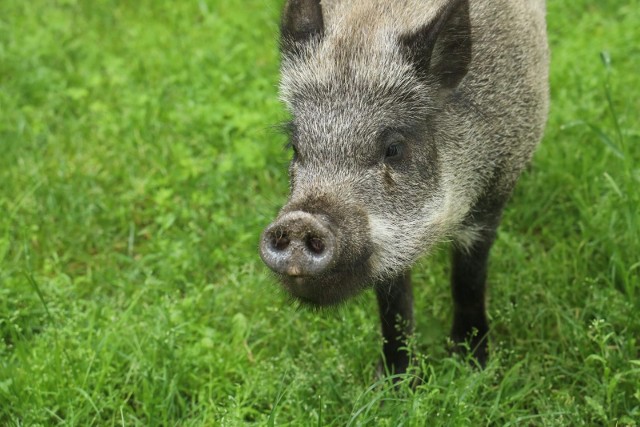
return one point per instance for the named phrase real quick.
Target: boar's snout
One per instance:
(298, 244)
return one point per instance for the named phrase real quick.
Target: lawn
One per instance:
(139, 164)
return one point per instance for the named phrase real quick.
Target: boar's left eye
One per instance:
(394, 142)
(393, 151)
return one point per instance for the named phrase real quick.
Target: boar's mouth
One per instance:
(321, 259)
(332, 287)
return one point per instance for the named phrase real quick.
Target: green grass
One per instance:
(138, 167)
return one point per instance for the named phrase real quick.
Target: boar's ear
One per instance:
(301, 22)
(441, 50)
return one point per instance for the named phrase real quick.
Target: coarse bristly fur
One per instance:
(344, 86)
(412, 121)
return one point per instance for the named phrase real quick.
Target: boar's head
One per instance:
(368, 195)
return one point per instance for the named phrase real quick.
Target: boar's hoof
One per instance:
(298, 244)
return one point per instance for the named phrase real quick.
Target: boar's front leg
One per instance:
(395, 301)
(468, 285)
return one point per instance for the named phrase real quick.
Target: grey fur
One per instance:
(350, 78)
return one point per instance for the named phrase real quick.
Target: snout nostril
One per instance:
(315, 245)
(280, 241)
(299, 245)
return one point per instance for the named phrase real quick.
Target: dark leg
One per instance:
(395, 300)
(468, 284)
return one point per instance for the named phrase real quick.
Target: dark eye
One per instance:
(394, 142)
(393, 151)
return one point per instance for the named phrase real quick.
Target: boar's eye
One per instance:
(394, 142)
(393, 151)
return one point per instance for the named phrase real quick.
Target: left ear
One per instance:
(301, 22)
(441, 50)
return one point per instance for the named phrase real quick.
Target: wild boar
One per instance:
(411, 122)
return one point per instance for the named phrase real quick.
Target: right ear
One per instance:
(441, 49)
(301, 22)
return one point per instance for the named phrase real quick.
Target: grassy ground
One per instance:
(138, 168)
